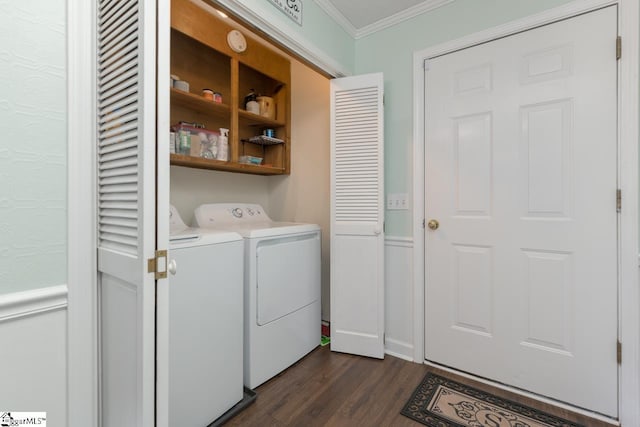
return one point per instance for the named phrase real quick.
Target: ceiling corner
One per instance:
(337, 16)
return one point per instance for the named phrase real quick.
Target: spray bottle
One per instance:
(223, 145)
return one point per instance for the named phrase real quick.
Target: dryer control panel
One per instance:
(229, 214)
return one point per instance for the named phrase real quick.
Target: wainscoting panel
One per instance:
(33, 352)
(399, 297)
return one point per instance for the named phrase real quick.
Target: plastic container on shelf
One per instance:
(196, 141)
(250, 160)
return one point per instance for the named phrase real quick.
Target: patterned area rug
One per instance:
(440, 402)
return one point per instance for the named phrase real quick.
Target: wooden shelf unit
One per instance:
(202, 163)
(200, 55)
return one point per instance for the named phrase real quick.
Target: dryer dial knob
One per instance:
(237, 212)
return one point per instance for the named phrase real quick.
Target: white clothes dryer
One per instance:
(205, 323)
(281, 286)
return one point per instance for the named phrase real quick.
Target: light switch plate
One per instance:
(397, 201)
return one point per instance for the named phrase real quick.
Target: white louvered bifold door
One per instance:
(126, 158)
(357, 215)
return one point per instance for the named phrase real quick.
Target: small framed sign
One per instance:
(291, 8)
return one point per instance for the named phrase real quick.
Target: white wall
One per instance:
(33, 220)
(33, 354)
(33, 214)
(398, 294)
(192, 187)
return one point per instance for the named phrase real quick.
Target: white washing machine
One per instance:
(281, 286)
(205, 323)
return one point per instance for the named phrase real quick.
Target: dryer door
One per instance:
(288, 273)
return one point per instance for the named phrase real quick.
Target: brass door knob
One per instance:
(433, 224)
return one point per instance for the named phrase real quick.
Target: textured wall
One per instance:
(189, 188)
(391, 51)
(32, 144)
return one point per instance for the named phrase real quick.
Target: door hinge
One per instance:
(618, 47)
(619, 200)
(619, 352)
(384, 226)
(158, 265)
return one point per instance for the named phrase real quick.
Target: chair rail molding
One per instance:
(30, 303)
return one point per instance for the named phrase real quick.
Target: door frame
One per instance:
(628, 132)
(82, 310)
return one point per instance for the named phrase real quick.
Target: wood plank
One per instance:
(334, 389)
(202, 163)
(199, 104)
(250, 119)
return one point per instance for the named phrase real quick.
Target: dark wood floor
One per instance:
(334, 389)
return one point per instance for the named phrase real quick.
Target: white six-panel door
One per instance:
(521, 176)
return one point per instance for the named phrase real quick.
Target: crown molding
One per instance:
(381, 24)
(337, 16)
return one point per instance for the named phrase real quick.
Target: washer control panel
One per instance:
(225, 214)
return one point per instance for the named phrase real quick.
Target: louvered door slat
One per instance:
(107, 22)
(105, 8)
(123, 20)
(118, 120)
(119, 123)
(113, 105)
(118, 90)
(124, 43)
(123, 61)
(356, 121)
(117, 164)
(116, 62)
(114, 80)
(122, 112)
(131, 152)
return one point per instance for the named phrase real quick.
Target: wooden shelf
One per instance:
(198, 103)
(202, 163)
(252, 119)
(201, 56)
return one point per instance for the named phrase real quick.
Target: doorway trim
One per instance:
(628, 132)
(82, 309)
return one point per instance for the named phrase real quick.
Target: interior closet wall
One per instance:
(303, 196)
(192, 187)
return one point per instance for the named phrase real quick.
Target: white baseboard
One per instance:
(28, 303)
(399, 349)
